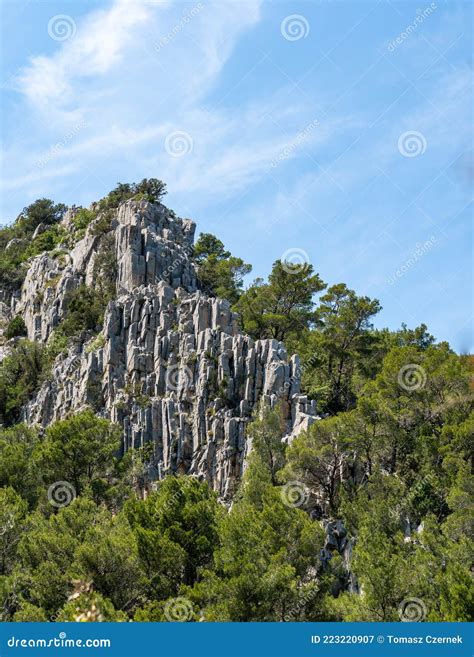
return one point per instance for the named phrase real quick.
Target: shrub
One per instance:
(20, 375)
(16, 327)
(83, 218)
(150, 189)
(85, 311)
(47, 241)
(12, 268)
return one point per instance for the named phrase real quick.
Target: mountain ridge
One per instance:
(170, 365)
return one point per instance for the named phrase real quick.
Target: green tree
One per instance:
(17, 463)
(82, 450)
(90, 608)
(16, 328)
(283, 307)
(46, 554)
(340, 351)
(219, 272)
(266, 433)
(42, 211)
(266, 563)
(12, 518)
(20, 375)
(150, 189)
(85, 311)
(28, 613)
(175, 529)
(108, 557)
(319, 456)
(416, 393)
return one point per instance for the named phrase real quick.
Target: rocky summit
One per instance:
(169, 365)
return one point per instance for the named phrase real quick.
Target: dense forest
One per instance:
(365, 516)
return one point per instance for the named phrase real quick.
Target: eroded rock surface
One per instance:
(170, 365)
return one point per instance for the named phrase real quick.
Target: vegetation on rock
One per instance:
(85, 534)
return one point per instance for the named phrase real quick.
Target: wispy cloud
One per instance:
(125, 73)
(51, 84)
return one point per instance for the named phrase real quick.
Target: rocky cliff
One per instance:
(170, 365)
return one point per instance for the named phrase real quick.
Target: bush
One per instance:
(16, 327)
(12, 268)
(47, 241)
(20, 375)
(150, 189)
(85, 311)
(83, 218)
(220, 273)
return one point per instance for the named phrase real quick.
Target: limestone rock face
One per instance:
(170, 365)
(151, 246)
(44, 294)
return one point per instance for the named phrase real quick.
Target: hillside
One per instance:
(164, 455)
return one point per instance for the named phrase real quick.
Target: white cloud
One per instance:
(135, 73)
(98, 45)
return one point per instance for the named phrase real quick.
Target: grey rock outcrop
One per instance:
(170, 365)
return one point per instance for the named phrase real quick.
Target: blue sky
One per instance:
(338, 130)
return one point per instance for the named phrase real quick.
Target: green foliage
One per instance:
(85, 311)
(46, 241)
(81, 450)
(22, 245)
(341, 350)
(267, 550)
(283, 307)
(29, 613)
(83, 218)
(19, 376)
(16, 328)
(12, 519)
(176, 532)
(151, 190)
(90, 608)
(42, 211)
(219, 272)
(405, 337)
(109, 557)
(266, 432)
(317, 456)
(12, 267)
(17, 464)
